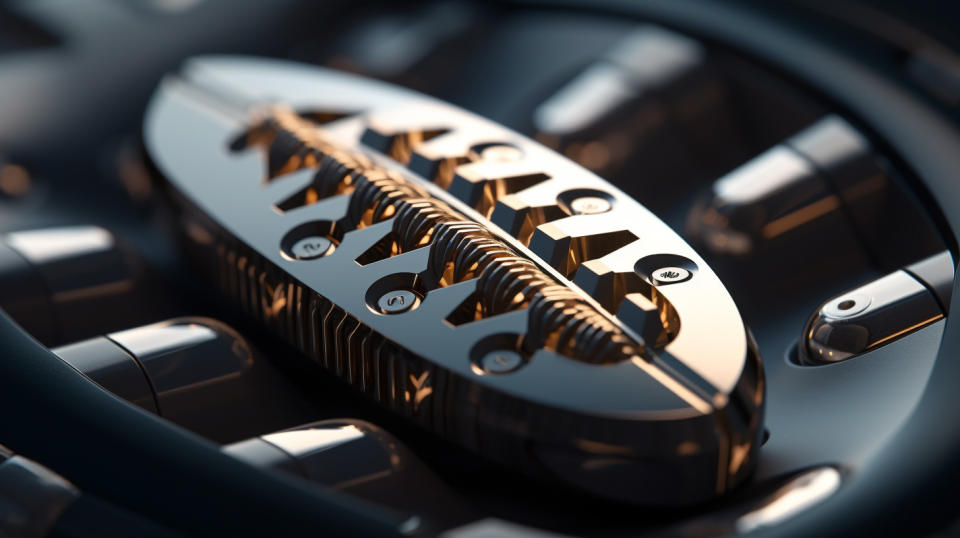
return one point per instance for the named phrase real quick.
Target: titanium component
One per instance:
(878, 312)
(398, 301)
(674, 390)
(357, 458)
(196, 372)
(598, 116)
(589, 205)
(311, 247)
(501, 361)
(51, 278)
(825, 181)
(671, 275)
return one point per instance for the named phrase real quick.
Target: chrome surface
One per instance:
(53, 278)
(801, 493)
(825, 192)
(643, 61)
(32, 498)
(359, 459)
(688, 373)
(196, 369)
(869, 316)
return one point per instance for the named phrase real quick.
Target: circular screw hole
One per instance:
(500, 361)
(671, 275)
(395, 294)
(662, 269)
(311, 247)
(590, 205)
(500, 152)
(585, 201)
(311, 240)
(847, 305)
(398, 301)
(497, 354)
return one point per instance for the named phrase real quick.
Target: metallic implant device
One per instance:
(463, 276)
(880, 311)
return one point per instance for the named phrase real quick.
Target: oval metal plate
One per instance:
(677, 422)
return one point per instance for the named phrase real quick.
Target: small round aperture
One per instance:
(500, 152)
(498, 354)
(395, 294)
(585, 201)
(310, 241)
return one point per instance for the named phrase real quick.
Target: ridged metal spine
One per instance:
(460, 249)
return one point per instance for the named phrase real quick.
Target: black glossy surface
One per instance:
(121, 453)
(914, 471)
(865, 406)
(112, 368)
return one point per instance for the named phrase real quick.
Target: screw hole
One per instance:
(498, 354)
(396, 294)
(311, 240)
(847, 305)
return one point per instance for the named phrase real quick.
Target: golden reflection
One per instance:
(597, 447)
(101, 290)
(800, 216)
(273, 297)
(405, 143)
(866, 187)
(902, 332)
(595, 155)
(134, 177)
(421, 390)
(738, 456)
(14, 180)
(198, 233)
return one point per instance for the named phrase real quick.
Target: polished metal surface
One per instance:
(646, 60)
(52, 278)
(181, 355)
(867, 317)
(32, 498)
(597, 117)
(195, 372)
(111, 367)
(825, 192)
(357, 458)
(47, 245)
(764, 200)
(936, 272)
(769, 505)
(660, 114)
(532, 279)
(799, 494)
(412, 259)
